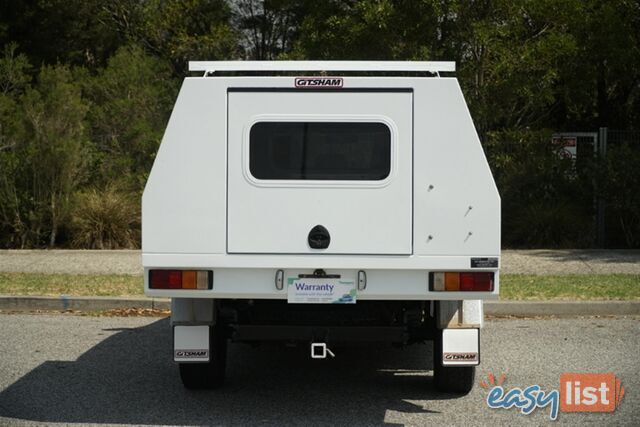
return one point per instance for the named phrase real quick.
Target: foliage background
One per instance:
(87, 86)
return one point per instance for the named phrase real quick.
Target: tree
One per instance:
(130, 103)
(268, 27)
(48, 157)
(176, 30)
(66, 31)
(372, 29)
(56, 152)
(14, 79)
(512, 56)
(602, 83)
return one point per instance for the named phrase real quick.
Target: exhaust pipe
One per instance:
(319, 350)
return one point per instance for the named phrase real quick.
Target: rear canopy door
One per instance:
(341, 160)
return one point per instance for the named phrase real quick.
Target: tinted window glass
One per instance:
(320, 151)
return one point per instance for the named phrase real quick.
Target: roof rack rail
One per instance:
(209, 67)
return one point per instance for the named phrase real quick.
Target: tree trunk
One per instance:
(54, 222)
(602, 97)
(52, 238)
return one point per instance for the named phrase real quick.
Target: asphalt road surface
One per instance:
(90, 370)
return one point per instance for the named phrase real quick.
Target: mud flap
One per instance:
(191, 343)
(461, 347)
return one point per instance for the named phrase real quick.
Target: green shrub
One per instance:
(619, 187)
(546, 200)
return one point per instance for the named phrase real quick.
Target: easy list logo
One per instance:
(579, 392)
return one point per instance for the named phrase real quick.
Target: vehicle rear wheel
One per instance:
(450, 379)
(208, 375)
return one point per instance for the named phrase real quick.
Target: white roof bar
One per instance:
(399, 66)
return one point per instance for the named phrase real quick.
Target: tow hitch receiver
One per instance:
(319, 350)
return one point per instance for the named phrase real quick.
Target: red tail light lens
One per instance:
(478, 282)
(180, 279)
(159, 279)
(467, 281)
(175, 279)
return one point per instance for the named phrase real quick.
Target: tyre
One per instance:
(450, 379)
(198, 376)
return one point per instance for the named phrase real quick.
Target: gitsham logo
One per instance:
(579, 392)
(460, 356)
(322, 82)
(192, 354)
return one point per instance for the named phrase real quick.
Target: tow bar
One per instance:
(319, 350)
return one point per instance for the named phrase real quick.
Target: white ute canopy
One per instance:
(285, 163)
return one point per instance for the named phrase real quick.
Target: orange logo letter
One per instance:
(590, 392)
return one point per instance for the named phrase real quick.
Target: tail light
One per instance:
(461, 281)
(180, 279)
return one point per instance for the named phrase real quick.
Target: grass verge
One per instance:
(570, 287)
(70, 284)
(512, 286)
